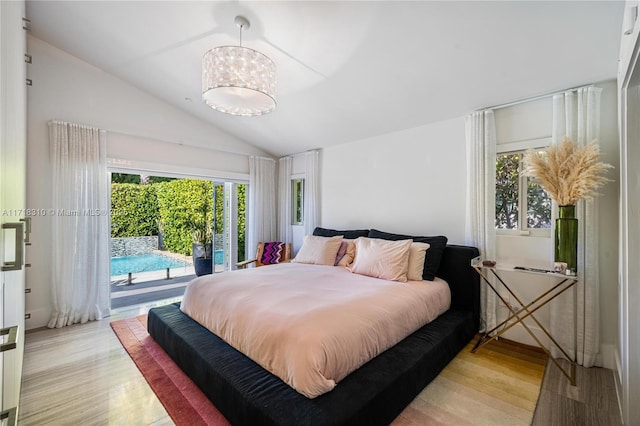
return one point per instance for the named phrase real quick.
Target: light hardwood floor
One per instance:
(592, 402)
(81, 375)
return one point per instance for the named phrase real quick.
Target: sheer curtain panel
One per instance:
(311, 191)
(285, 233)
(576, 115)
(262, 201)
(481, 200)
(79, 224)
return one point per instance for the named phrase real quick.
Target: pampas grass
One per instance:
(567, 171)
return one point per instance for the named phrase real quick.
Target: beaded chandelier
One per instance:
(237, 80)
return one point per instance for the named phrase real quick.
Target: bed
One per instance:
(373, 394)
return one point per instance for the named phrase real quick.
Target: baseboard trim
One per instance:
(520, 335)
(39, 318)
(607, 357)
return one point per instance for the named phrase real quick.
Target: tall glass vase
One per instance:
(567, 238)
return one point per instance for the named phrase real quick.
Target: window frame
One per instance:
(520, 148)
(295, 198)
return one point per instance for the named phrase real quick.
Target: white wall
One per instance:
(133, 152)
(414, 182)
(140, 127)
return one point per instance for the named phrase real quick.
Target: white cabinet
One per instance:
(12, 193)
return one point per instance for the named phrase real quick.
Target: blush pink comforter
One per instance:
(311, 325)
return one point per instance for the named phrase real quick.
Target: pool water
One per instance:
(142, 263)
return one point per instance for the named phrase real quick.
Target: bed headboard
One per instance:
(455, 268)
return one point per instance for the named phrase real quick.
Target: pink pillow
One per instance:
(318, 250)
(388, 260)
(417, 254)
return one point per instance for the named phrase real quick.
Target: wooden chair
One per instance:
(267, 258)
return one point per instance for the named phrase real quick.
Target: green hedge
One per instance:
(173, 208)
(181, 203)
(242, 193)
(134, 210)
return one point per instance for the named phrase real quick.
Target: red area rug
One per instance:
(184, 401)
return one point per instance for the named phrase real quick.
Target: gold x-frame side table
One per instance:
(527, 310)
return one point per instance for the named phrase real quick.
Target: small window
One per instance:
(297, 198)
(521, 203)
(538, 206)
(507, 190)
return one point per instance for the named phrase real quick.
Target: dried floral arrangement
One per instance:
(567, 171)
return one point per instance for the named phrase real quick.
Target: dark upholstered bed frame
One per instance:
(372, 395)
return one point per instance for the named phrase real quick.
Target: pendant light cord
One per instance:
(241, 26)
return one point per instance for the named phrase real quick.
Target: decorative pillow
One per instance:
(383, 259)
(341, 252)
(417, 254)
(350, 234)
(319, 250)
(272, 253)
(434, 254)
(349, 254)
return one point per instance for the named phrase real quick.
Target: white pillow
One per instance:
(417, 254)
(383, 259)
(319, 250)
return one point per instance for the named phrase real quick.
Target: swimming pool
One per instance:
(142, 263)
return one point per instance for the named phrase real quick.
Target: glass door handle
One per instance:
(12, 332)
(16, 264)
(10, 415)
(27, 231)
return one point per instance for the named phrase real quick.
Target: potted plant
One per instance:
(202, 245)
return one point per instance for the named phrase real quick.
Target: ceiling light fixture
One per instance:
(238, 80)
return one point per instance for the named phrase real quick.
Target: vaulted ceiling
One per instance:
(346, 70)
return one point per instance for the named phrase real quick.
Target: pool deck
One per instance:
(138, 277)
(151, 286)
(176, 256)
(149, 291)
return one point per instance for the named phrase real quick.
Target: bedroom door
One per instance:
(12, 203)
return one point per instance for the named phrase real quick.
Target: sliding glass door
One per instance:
(229, 201)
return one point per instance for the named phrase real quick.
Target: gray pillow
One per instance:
(350, 234)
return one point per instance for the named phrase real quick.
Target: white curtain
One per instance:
(79, 224)
(262, 201)
(481, 199)
(576, 115)
(285, 232)
(311, 192)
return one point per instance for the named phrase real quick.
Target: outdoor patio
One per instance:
(148, 287)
